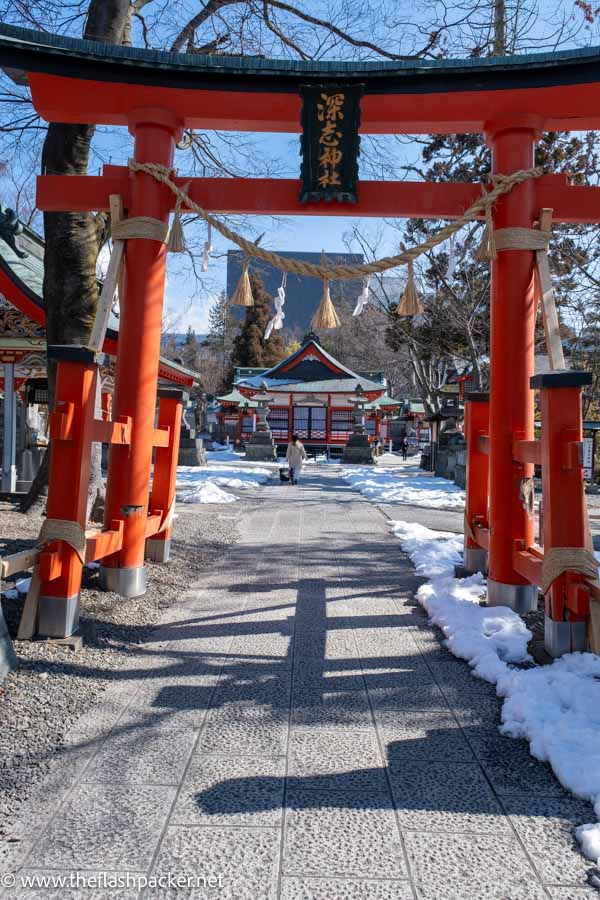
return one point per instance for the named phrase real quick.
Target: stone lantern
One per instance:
(261, 445)
(359, 449)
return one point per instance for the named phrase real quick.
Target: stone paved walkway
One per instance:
(297, 729)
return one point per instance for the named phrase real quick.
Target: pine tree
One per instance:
(249, 347)
(189, 350)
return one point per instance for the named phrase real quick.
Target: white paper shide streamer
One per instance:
(207, 250)
(277, 321)
(363, 300)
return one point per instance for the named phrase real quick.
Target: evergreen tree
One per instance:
(250, 347)
(169, 346)
(189, 350)
(222, 326)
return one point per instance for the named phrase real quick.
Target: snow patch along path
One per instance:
(207, 484)
(556, 708)
(404, 483)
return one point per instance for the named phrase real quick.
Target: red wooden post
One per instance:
(477, 421)
(71, 430)
(511, 367)
(162, 497)
(155, 132)
(291, 419)
(565, 512)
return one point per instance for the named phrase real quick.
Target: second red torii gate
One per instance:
(511, 101)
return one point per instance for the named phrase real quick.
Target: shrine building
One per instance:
(310, 394)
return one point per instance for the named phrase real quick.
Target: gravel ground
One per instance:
(535, 622)
(53, 685)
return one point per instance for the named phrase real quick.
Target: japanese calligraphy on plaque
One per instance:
(330, 143)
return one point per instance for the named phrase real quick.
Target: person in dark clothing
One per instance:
(404, 447)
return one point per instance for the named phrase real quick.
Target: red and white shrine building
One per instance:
(310, 394)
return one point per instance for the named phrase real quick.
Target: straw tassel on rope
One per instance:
(242, 296)
(410, 303)
(487, 248)
(325, 316)
(176, 243)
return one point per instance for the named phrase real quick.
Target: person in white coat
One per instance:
(296, 455)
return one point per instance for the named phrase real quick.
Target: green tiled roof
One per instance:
(234, 396)
(25, 49)
(382, 402)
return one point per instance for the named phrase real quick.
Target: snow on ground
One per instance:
(556, 708)
(223, 453)
(322, 460)
(404, 483)
(206, 484)
(209, 492)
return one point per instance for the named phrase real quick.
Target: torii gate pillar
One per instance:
(511, 367)
(155, 132)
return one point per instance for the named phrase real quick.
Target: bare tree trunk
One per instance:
(426, 389)
(477, 379)
(499, 28)
(72, 239)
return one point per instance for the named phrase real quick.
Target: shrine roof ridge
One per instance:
(330, 386)
(24, 49)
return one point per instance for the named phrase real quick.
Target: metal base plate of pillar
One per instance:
(475, 559)
(564, 637)
(522, 598)
(58, 616)
(130, 582)
(158, 551)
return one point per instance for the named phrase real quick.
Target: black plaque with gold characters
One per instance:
(330, 143)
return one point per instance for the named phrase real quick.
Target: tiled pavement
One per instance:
(298, 730)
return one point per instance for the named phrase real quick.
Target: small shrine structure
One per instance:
(311, 394)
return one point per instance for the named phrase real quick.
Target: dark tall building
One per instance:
(302, 294)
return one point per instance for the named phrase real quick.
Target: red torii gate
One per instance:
(511, 101)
